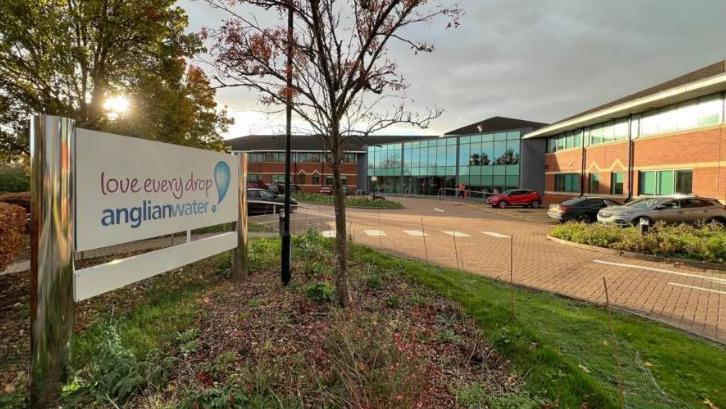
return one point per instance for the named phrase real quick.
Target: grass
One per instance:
(564, 348)
(702, 242)
(350, 201)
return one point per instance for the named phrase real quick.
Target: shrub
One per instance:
(706, 242)
(320, 292)
(374, 365)
(352, 201)
(13, 179)
(21, 199)
(12, 226)
(115, 373)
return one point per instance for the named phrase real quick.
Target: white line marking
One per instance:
(375, 233)
(660, 270)
(329, 233)
(439, 210)
(698, 288)
(495, 234)
(455, 233)
(416, 233)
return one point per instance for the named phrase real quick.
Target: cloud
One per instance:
(542, 60)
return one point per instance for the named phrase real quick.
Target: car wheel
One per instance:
(717, 220)
(502, 204)
(585, 218)
(535, 204)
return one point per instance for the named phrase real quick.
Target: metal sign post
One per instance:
(66, 168)
(52, 150)
(239, 256)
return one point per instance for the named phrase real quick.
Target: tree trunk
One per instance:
(341, 243)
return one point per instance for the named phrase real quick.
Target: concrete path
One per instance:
(688, 298)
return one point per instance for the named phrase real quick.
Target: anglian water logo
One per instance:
(221, 180)
(177, 187)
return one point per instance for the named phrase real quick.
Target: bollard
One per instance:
(643, 225)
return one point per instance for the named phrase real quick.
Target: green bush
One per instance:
(116, 373)
(350, 201)
(13, 179)
(320, 292)
(705, 242)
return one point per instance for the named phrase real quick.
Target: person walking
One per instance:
(462, 190)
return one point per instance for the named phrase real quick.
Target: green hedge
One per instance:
(701, 242)
(13, 179)
(350, 201)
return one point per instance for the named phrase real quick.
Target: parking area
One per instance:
(512, 244)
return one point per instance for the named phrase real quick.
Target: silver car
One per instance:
(664, 208)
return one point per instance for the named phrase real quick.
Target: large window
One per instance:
(665, 182)
(253, 177)
(617, 179)
(567, 182)
(278, 178)
(691, 114)
(594, 183)
(316, 179)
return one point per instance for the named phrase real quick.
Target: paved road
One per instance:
(688, 298)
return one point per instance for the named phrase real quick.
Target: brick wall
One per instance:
(267, 169)
(702, 150)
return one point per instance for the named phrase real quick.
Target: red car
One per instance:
(515, 197)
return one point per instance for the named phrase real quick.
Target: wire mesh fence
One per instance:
(517, 254)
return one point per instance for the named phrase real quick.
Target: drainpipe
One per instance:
(630, 158)
(583, 159)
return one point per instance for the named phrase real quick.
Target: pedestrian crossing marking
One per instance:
(416, 233)
(375, 233)
(329, 233)
(495, 234)
(455, 233)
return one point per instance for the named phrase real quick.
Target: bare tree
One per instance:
(342, 71)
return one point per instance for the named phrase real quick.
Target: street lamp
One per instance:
(285, 273)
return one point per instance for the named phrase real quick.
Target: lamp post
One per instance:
(285, 273)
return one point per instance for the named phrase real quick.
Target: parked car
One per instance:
(279, 188)
(665, 208)
(583, 209)
(328, 190)
(515, 197)
(260, 184)
(262, 201)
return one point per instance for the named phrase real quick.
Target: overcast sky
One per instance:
(540, 60)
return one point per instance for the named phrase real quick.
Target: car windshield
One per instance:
(647, 203)
(266, 194)
(573, 202)
(508, 192)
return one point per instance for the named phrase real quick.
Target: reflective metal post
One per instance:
(52, 151)
(239, 256)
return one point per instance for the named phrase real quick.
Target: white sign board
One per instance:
(131, 189)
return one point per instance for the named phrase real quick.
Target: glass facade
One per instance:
(617, 180)
(567, 182)
(297, 157)
(665, 182)
(695, 113)
(482, 162)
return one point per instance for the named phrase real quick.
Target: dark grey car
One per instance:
(665, 208)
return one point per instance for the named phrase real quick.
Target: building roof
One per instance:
(702, 81)
(267, 143)
(496, 124)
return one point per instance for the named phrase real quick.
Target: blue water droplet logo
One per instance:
(221, 179)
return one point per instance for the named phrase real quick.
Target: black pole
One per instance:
(285, 273)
